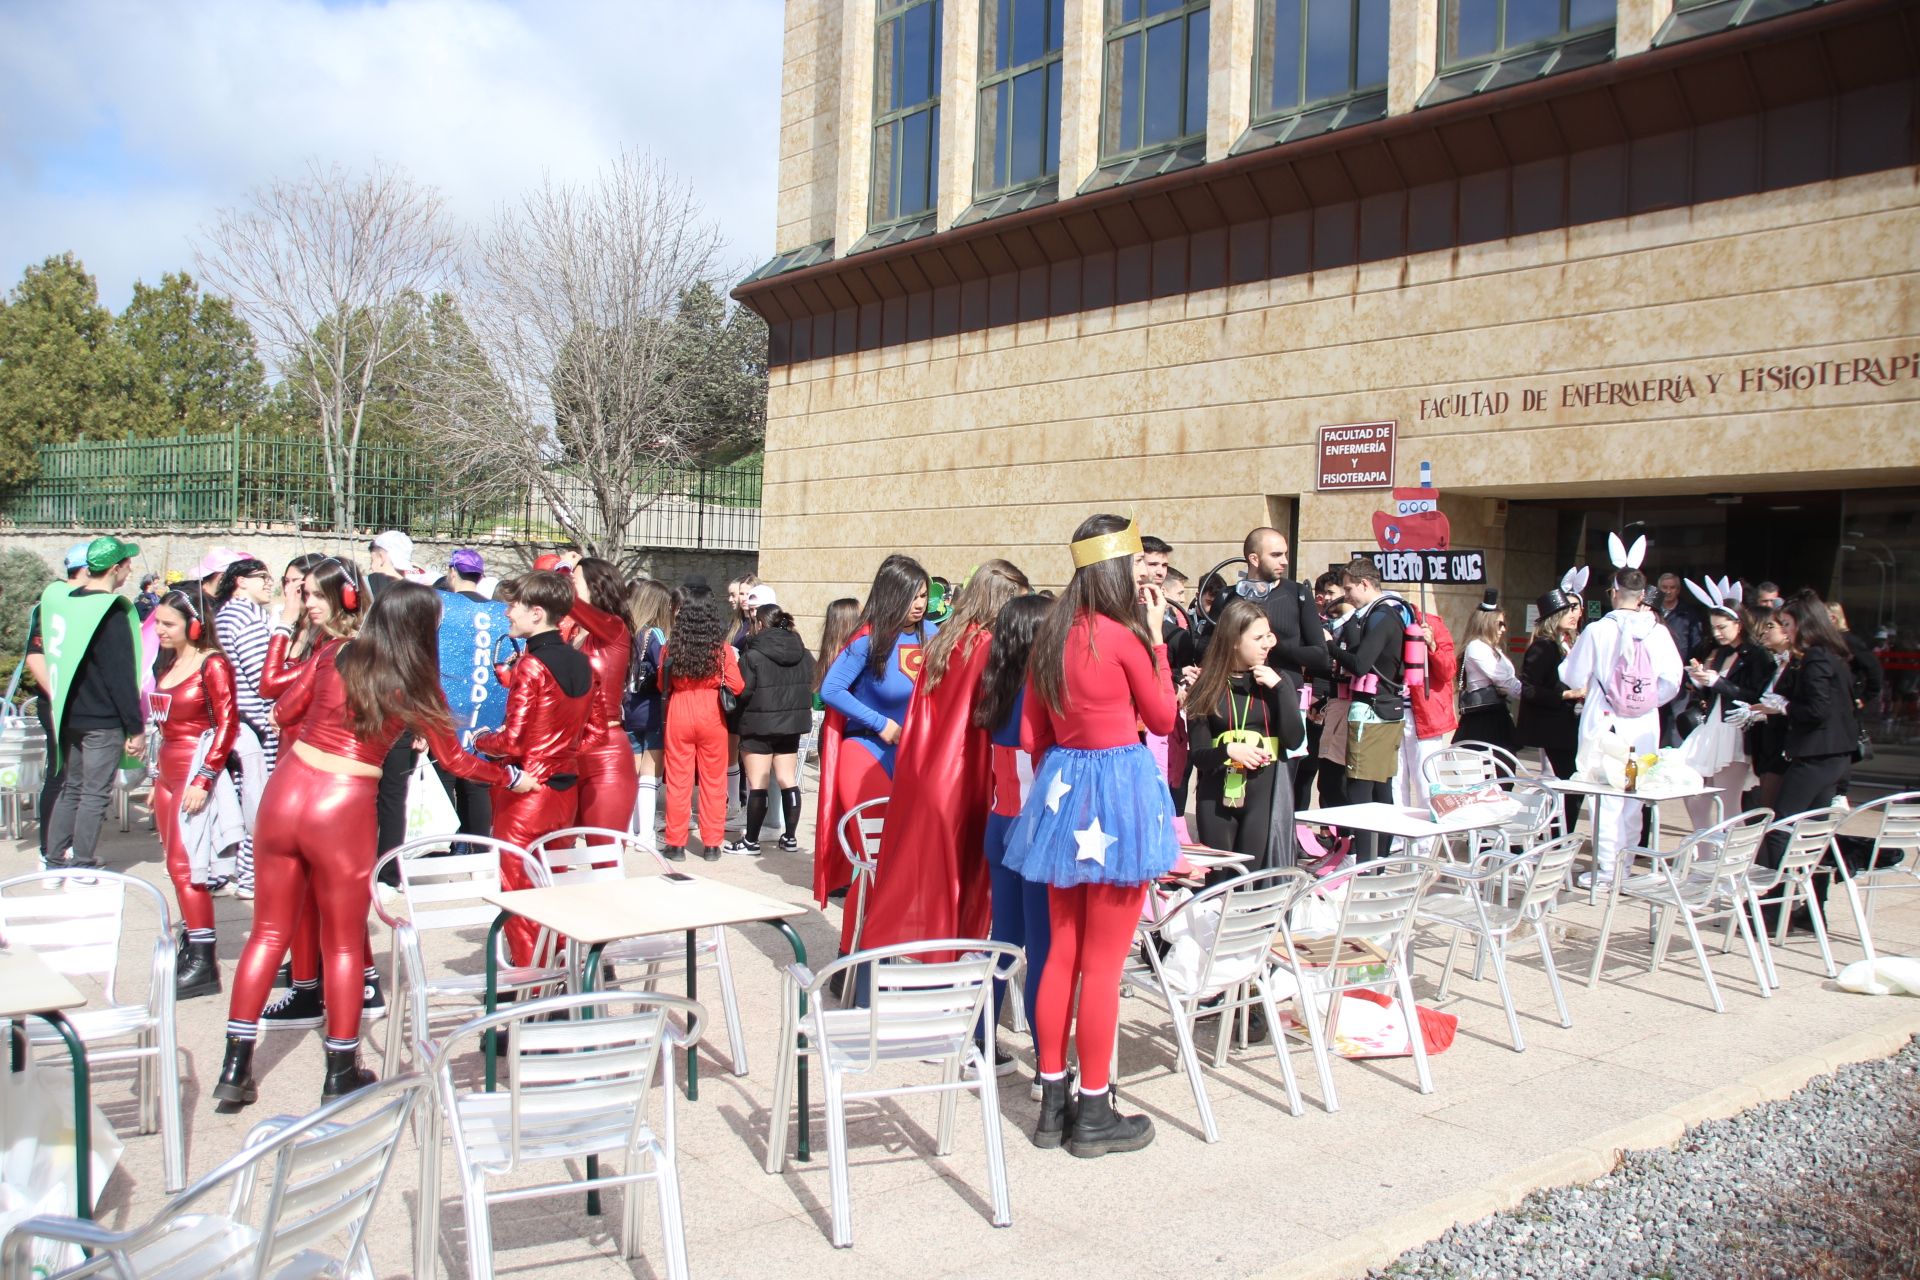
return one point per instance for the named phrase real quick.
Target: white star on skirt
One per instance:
(1094, 844)
(1056, 791)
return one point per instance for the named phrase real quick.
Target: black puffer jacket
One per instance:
(779, 675)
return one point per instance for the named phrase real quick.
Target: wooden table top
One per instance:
(600, 911)
(29, 984)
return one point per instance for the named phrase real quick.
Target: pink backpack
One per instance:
(1629, 686)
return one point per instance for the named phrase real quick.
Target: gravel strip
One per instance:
(1714, 1199)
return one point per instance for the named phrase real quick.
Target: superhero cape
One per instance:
(933, 883)
(830, 870)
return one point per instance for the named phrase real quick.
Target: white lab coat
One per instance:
(1587, 666)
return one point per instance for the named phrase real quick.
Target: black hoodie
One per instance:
(778, 698)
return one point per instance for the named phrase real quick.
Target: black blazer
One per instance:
(1818, 688)
(1745, 681)
(1547, 720)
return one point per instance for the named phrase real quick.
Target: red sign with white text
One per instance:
(1358, 455)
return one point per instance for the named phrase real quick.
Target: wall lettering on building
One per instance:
(1356, 455)
(1667, 387)
(1441, 568)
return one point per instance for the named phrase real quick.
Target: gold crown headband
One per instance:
(1107, 546)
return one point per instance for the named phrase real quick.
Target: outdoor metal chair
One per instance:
(1381, 900)
(1701, 881)
(23, 768)
(579, 1071)
(441, 892)
(1463, 764)
(859, 835)
(1218, 963)
(917, 1013)
(1893, 864)
(77, 920)
(295, 1185)
(1809, 838)
(563, 858)
(1461, 902)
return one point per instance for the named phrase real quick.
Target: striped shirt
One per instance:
(243, 630)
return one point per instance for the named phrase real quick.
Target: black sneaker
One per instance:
(674, 853)
(283, 978)
(789, 845)
(299, 1010)
(373, 1003)
(744, 847)
(1003, 1062)
(711, 855)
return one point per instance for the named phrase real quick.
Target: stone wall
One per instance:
(1632, 355)
(161, 552)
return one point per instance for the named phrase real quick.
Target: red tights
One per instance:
(176, 761)
(857, 778)
(1093, 928)
(315, 829)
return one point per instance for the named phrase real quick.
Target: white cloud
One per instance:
(123, 126)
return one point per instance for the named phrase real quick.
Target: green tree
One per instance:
(64, 374)
(195, 355)
(720, 354)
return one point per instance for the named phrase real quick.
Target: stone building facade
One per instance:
(1652, 270)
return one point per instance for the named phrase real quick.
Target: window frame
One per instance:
(989, 80)
(1501, 51)
(1115, 32)
(887, 12)
(1258, 117)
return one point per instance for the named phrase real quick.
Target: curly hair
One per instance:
(699, 629)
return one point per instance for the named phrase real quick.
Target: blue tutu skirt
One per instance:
(1095, 817)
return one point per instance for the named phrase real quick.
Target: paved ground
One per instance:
(1272, 1191)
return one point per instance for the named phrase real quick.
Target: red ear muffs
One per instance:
(193, 629)
(350, 596)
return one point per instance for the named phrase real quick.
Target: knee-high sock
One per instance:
(756, 813)
(736, 800)
(646, 804)
(790, 811)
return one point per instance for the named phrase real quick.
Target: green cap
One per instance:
(107, 551)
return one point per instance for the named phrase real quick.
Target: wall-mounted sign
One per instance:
(1358, 455)
(1442, 568)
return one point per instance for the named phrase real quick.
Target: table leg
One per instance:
(1593, 886)
(804, 1151)
(492, 998)
(82, 1112)
(589, 978)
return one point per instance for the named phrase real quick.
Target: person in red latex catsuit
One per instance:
(192, 697)
(549, 696)
(597, 626)
(317, 823)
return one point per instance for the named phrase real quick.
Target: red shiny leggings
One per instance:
(857, 778)
(1093, 928)
(315, 829)
(696, 746)
(521, 819)
(306, 941)
(176, 762)
(608, 784)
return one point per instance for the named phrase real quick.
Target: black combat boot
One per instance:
(344, 1074)
(1056, 1113)
(1098, 1129)
(198, 974)
(235, 1088)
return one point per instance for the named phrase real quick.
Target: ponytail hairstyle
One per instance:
(1006, 671)
(896, 584)
(337, 581)
(974, 609)
(1104, 589)
(393, 667)
(771, 617)
(836, 629)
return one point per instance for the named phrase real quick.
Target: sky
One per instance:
(125, 126)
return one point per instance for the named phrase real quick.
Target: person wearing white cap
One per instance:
(389, 560)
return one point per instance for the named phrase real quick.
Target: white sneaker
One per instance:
(1589, 879)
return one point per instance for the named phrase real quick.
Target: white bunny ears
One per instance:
(1623, 558)
(1720, 596)
(1574, 581)
(1566, 595)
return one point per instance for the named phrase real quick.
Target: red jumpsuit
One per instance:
(608, 780)
(697, 745)
(318, 835)
(184, 711)
(279, 676)
(550, 693)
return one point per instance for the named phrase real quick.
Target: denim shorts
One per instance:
(652, 740)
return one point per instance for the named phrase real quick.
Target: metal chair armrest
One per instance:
(803, 977)
(69, 1230)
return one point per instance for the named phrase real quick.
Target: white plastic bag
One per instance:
(36, 1164)
(429, 809)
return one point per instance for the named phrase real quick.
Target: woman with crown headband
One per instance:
(1097, 825)
(193, 694)
(1727, 676)
(1629, 669)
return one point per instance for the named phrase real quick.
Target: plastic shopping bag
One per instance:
(36, 1155)
(429, 809)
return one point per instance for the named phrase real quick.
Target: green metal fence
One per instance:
(236, 480)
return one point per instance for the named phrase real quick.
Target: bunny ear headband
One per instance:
(1721, 596)
(1566, 595)
(1624, 558)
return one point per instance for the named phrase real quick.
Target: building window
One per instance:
(1311, 51)
(1156, 74)
(1019, 116)
(1471, 30)
(906, 109)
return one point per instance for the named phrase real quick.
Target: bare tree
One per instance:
(570, 383)
(327, 268)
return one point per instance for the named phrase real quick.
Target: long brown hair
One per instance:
(190, 603)
(1006, 671)
(1106, 589)
(649, 608)
(979, 603)
(1223, 649)
(841, 621)
(332, 577)
(896, 584)
(392, 668)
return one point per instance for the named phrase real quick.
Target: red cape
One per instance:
(932, 880)
(830, 870)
